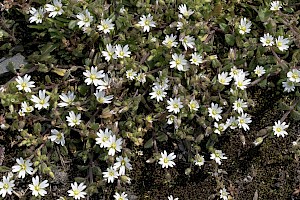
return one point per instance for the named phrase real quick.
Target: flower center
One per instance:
(278, 129)
(76, 192)
(279, 44)
(175, 105)
(5, 186)
(166, 160)
(93, 77)
(37, 187)
(243, 28)
(178, 62)
(111, 173)
(23, 85)
(295, 76)
(114, 145)
(23, 167)
(105, 26)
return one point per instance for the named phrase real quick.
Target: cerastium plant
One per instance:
(106, 80)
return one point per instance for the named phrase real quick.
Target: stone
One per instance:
(16, 60)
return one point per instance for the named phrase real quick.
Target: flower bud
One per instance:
(258, 141)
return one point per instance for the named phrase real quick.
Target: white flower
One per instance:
(193, 105)
(26, 108)
(85, 19)
(282, 43)
(73, 119)
(37, 15)
(77, 190)
(220, 127)
(6, 186)
(235, 73)
(114, 145)
(215, 111)
(267, 40)
(188, 41)
(279, 129)
(122, 164)
(178, 62)
(57, 137)
(22, 167)
(174, 105)
(111, 174)
(172, 198)
(122, 196)
(244, 26)
(141, 77)
(259, 71)
(68, 99)
(147, 22)
(243, 121)
(224, 194)
(130, 74)
(21, 113)
(238, 105)
(167, 160)
(232, 122)
(162, 82)
(199, 160)
(103, 138)
(38, 188)
(275, 5)
(158, 93)
(184, 11)
(93, 76)
(25, 83)
(196, 59)
(241, 82)
(171, 119)
(217, 156)
(122, 52)
(170, 41)
(101, 98)
(288, 86)
(294, 75)
(109, 53)
(104, 83)
(179, 25)
(224, 79)
(42, 101)
(106, 25)
(55, 9)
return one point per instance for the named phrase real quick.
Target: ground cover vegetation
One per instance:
(145, 99)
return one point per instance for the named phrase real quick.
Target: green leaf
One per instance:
(162, 137)
(230, 39)
(72, 24)
(58, 71)
(283, 106)
(149, 144)
(295, 115)
(4, 169)
(37, 128)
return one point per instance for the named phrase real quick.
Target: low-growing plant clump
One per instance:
(111, 87)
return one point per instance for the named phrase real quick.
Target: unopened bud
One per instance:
(258, 141)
